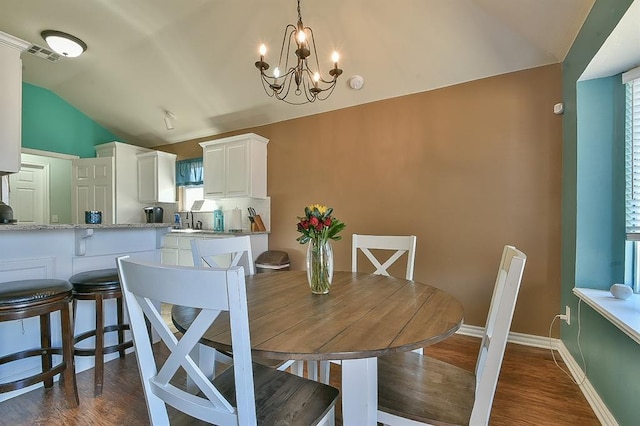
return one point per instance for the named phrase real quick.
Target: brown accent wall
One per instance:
(467, 168)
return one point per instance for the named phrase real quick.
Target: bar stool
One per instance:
(40, 297)
(100, 285)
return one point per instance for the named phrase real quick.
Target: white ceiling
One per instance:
(196, 57)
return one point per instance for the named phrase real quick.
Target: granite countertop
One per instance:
(19, 227)
(212, 232)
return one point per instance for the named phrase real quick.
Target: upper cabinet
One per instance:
(10, 102)
(235, 166)
(157, 177)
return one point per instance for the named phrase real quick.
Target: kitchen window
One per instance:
(631, 79)
(189, 180)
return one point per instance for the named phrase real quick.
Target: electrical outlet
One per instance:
(567, 314)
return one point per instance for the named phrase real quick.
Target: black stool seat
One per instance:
(40, 297)
(97, 286)
(98, 280)
(18, 293)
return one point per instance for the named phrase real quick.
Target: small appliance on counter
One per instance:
(236, 221)
(6, 214)
(154, 214)
(93, 217)
(218, 220)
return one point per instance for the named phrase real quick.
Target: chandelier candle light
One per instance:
(309, 84)
(318, 227)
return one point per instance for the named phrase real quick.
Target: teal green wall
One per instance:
(600, 218)
(611, 356)
(49, 123)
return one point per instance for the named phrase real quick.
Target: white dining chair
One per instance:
(223, 252)
(246, 393)
(389, 247)
(217, 252)
(393, 246)
(416, 389)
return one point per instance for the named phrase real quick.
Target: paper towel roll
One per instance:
(236, 219)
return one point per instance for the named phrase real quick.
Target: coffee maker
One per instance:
(154, 214)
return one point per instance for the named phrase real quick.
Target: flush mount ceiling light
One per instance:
(309, 84)
(64, 44)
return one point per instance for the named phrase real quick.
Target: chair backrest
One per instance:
(205, 251)
(398, 244)
(144, 286)
(494, 340)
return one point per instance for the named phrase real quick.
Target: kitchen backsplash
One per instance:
(205, 214)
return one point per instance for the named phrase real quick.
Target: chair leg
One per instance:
(312, 370)
(120, 323)
(45, 344)
(68, 377)
(99, 356)
(324, 373)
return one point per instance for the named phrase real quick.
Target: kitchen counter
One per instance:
(59, 251)
(212, 232)
(21, 227)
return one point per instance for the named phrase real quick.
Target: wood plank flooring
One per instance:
(531, 391)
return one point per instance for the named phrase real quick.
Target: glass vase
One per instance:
(319, 266)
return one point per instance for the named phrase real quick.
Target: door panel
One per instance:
(29, 194)
(92, 188)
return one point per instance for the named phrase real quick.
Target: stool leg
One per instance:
(45, 345)
(99, 357)
(68, 377)
(120, 322)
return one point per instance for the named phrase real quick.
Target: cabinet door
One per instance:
(147, 182)
(166, 178)
(237, 166)
(169, 256)
(92, 188)
(214, 171)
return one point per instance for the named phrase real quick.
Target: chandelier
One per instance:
(295, 71)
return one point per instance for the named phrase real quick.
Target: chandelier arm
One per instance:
(315, 51)
(284, 41)
(328, 92)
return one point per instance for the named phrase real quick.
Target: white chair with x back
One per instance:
(245, 394)
(415, 389)
(374, 247)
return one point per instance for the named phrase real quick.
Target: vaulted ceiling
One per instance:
(196, 58)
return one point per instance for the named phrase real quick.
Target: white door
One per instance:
(29, 194)
(92, 188)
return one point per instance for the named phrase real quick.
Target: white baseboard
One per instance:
(597, 405)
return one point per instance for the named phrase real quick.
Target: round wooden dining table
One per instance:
(364, 316)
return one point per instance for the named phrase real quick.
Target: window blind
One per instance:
(189, 172)
(632, 157)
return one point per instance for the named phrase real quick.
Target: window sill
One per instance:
(624, 314)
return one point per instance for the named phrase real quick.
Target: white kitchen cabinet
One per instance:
(176, 248)
(157, 177)
(235, 166)
(10, 102)
(169, 250)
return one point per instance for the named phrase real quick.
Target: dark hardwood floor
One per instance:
(531, 391)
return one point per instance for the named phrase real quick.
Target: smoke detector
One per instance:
(356, 82)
